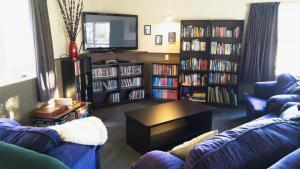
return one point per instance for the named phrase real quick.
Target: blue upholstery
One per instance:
(272, 95)
(267, 143)
(255, 104)
(76, 156)
(8, 122)
(47, 141)
(159, 160)
(257, 144)
(291, 161)
(289, 104)
(33, 138)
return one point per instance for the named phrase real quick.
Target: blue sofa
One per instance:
(270, 96)
(47, 141)
(267, 142)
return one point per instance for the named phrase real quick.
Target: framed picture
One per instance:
(147, 29)
(158, 39)
(172, 37)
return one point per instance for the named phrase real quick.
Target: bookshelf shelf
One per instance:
(129, 76)
(222, 42)
(164, 81)
(126, 78)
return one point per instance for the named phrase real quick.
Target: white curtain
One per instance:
(288, 51)
(17, 55)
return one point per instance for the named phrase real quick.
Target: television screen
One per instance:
(103, 31)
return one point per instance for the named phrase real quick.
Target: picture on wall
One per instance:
(172, 37)
(158, 39)
(147, 29)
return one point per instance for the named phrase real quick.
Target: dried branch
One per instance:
(71, 11)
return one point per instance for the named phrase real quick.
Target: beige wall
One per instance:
(154, 12)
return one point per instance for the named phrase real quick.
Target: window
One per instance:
(17, 54)
(288, 52)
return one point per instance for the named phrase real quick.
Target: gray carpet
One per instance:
(116, 154)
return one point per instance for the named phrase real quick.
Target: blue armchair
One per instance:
(270, 96)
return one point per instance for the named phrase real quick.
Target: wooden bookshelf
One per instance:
(218, 42)
(77, 78)
(119, 83)
(164, 81)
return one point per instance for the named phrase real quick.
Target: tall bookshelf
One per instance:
(164, 81)
(117, 83)
(209, 57)
(77, 78)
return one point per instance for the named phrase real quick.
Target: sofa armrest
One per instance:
(158, 160)
(275, 103)
(15, 157)
(264, 89)
(76, 155)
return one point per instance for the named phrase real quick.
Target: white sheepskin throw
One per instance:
(86, 131)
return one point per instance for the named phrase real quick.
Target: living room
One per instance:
(150, 84)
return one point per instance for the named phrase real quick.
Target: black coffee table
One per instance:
(156, 127)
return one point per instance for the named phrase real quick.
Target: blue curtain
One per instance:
(260, 43)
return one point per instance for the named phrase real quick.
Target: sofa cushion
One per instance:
(275, 103)
(264, 140)
(76, 156)
(291, 161)
(292, 113)
(284, 85)
(182, 150)
(33, 138)
(158, 160)
(15, 157)
(220, 140)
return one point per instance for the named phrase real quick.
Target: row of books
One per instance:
(137, 94)
(222, 95)
(195, 45)
(99, 86)
(114, 98)
(220, 48)
(223, 65)
(165, 70)
(194, 64)
(132, 82)
(222, 78)
(195, 31)
(131, 70)
(224, 32)
(164, 94)
(104, 72)
(194, 79)
(165, 82)
(43, 122)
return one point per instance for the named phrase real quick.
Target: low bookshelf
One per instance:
(164, 81)
(209, 57)
(117, 83)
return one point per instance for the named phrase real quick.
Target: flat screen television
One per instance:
(109, 32)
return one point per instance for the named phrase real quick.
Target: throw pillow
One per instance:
(34, 138)
(183, 150)
(291, 113)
